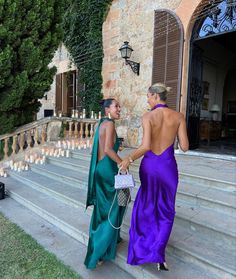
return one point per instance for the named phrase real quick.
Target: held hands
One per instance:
(124, 165)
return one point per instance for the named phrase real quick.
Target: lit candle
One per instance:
(60, 114)
(59, 144)
(15, 166)
(54, 114)
(99, 115)
(76, 114)
(88, 143)
(95, 116)
(11, 163)
(26, 167)
(84, 113)
(67, 153)
(92, 114)
(31, 158)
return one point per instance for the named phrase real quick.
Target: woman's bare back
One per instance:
(165, 126)
(105, 137)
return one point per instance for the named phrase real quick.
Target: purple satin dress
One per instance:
(154, 208)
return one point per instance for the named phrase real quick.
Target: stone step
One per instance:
(54, 240)
(206, 196)
(194, 153)
(61, 174)
(70, 163)
(197, 194)
(189, 173)
(75, 222)
(208, 167)
(195, 217)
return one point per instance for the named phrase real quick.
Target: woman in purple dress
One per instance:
(154, 207)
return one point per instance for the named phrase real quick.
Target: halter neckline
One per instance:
(160, 106)
(107, 118)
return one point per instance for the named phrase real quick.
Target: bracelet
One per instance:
(130, 160)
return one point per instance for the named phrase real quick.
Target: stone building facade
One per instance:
(201, 64)
(133, 21)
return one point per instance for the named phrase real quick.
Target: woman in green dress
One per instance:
(103, 238)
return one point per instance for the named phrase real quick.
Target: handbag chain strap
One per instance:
(117, 228)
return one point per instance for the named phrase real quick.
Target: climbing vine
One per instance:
(83, 38)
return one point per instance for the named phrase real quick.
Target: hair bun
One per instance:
(168, 89)
(101, 102)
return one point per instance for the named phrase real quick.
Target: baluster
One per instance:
(43, 135)
(22, 140)
(76, 129)
(70, 129)
(86, 130)
(6, 148)
(14, 145)
(81, 129)
(91, 130)
(29, 139)
(36, 137)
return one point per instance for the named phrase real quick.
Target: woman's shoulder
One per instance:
(108, 123)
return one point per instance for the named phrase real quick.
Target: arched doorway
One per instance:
(212, 57)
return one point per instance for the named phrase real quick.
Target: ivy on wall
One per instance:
(83, 38)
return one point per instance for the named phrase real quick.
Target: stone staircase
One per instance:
(203, 240)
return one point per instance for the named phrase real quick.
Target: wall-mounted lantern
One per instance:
(126, 51)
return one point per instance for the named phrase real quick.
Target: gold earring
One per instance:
(109, 115)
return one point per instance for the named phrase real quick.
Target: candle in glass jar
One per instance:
(84, 113)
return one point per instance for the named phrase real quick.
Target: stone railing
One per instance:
(42, 131)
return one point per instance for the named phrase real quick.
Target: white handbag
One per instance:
(123, 181)
(122, 184)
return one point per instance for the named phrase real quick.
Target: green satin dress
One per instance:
(103, 239)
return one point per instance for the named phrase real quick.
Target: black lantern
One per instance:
(126, 51)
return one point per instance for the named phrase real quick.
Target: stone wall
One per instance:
(131, 21)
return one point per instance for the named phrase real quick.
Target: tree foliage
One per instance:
(30, 33)
(83, 38)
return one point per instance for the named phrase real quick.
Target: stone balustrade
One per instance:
(42, 131)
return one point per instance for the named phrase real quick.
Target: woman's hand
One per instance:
(124, 165)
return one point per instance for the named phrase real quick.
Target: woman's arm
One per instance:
(109, 142)
(144, 147)
(182, 135)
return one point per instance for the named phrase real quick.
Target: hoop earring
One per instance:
(109, 115)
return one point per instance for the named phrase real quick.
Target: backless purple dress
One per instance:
(154, 208)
